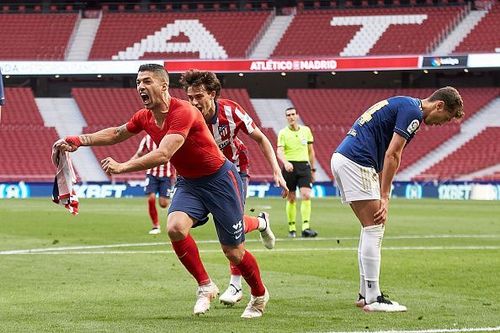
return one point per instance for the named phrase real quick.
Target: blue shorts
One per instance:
(220, 194)
(160, 185)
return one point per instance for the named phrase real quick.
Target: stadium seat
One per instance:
(480, 39)
(119, 31)
(312, 34)
(481, 152)
(35, 36)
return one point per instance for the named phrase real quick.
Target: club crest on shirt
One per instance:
(413, 126)
(223, 130)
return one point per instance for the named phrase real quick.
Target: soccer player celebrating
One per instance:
(365, 164)
(2, 98)
(208, 182)
(159, 180)
(296, 152)
(225, 119)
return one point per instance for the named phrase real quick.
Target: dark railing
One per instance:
(46, 6)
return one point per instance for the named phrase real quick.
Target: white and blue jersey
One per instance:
(2, 96)
(369, 137)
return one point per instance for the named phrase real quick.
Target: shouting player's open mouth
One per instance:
(145, 98)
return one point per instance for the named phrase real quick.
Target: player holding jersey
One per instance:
(365, 164)
(159, 180)
(225, 119)
(209, 183)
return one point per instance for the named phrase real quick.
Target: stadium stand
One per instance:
(25, 141)
(21, 108)
(118, 31)
(106, 107)
(331, 112)
(113, 106)
(25, 153)
(481, 152)
(481, 38)
(35, 36)
(311, 33)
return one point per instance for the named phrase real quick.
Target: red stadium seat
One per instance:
(481, 152)
(481, 38)
(35, 36)
(118, 31)
(311, 33)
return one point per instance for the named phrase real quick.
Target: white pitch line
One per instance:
(437, 330)
(87, 247)
(290, 250)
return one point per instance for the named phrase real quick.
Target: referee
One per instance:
(296, 152)
(2, 98)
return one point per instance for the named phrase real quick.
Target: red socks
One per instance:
(153, 213)
(250, 272)
(188, 254)
(234, 270)
(251, 223)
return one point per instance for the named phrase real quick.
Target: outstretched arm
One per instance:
(167, 148)
(267, 150)
(107, 136)
(392, 160)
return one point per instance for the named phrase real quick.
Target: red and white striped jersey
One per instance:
(229, 119)
(166, 170)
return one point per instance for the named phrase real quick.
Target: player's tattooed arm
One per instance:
(120, 130)
(107, 136)
(86, 140)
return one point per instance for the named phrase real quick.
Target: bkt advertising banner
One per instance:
(407, 190)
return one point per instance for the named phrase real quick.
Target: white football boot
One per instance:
(360, 302)
(231, 296)
(255, 308)
(205, 294)
(155, 231)
(384, 305)
(266, 234)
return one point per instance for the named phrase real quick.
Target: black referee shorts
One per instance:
(300, 176)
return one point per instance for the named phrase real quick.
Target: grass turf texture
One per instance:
(440, 259)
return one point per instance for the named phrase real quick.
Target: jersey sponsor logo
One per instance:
(223, 144)
(413, 126)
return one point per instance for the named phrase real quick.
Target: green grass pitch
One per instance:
(101, 272)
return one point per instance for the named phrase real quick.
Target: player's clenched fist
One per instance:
(69, 143)
(110, 166)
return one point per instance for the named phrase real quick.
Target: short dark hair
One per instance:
(452, 100)
(291, 108)
(196, 78)
(158, 70)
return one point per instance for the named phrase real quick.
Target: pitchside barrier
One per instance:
(408, 190)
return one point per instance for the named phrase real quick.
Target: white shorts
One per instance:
(355, 181)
